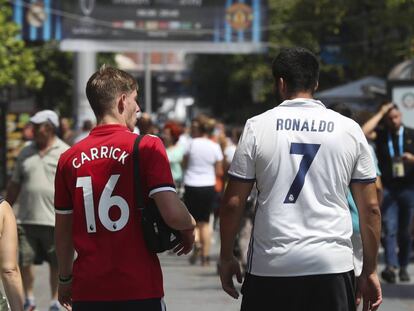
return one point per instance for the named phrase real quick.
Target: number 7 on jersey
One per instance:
(309, 152)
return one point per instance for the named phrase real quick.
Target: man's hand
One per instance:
(65, 295)
(228, 268)
(369, 290)
(186, 245)
(408, 157)
(385, 108)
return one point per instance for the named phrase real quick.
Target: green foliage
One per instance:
(106, 58)
(57, 68)
(17, 63)
(225, 85)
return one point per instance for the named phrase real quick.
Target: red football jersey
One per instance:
(95, 182)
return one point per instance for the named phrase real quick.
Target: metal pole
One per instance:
(85, 66)
(147, 66)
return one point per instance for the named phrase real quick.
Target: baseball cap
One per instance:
(45, 116)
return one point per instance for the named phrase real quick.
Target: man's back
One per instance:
(113, 261)
(303, 157)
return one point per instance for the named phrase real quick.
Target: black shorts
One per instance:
(156, 304)
(200, 202)
(323, 292)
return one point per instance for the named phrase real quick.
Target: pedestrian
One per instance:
(202, 163)
(33, 183)
(302, 157)
(96, 211)
(145, 124)
(395, 149)
(170, 135)
(10, 276)
(66, 132)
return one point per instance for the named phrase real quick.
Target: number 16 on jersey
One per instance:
(309, 152)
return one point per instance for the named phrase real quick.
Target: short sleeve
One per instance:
(374, 157)
(63, 198)
(243, 165)
(155, 165)
(218, 153)
(364, 168)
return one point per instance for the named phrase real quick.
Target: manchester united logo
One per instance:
(239, 16)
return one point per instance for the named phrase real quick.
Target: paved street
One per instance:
(195, 287)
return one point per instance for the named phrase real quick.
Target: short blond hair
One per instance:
(105, 85)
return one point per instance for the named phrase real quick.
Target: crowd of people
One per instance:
(299, 213)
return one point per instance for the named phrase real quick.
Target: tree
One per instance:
(57, 68)
(352, 38)
(17, 63)
(225, 85)
(369, 36)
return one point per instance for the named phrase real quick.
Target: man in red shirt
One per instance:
(96, 211)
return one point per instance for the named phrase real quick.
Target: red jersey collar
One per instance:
(108, 128)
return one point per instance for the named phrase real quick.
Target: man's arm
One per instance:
(231, 213)
(65, 254)
(175, 214)
(10, 273)
(13, 190)
(173, 211)
(218, 168)
(184, 164)
(369, 127)
(380, 190)
(369, 288)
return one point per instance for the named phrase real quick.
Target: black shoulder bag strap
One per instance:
(157, 235)
(137, 177)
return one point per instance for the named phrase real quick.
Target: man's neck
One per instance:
(109, 119)
(301, 94)
(43, 149)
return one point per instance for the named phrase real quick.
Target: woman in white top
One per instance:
(10, 273)
(202, 162)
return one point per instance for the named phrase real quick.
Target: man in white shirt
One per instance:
(303, 157)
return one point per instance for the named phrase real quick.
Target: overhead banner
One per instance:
(39, 20)
(152, 25)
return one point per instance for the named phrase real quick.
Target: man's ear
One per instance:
(121, 103)
(280, 83)
(282, 86)
(316, 86)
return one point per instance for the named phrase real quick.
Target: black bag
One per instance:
(158, 236)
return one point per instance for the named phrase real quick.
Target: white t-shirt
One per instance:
(303, 157)
(229, 152)
(202, 156)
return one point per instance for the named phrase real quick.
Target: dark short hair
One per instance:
(298, 67)
(105, 85)
(394, 106)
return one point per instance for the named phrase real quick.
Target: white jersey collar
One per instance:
(302, 102)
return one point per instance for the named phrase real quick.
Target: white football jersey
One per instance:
(303, 157)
